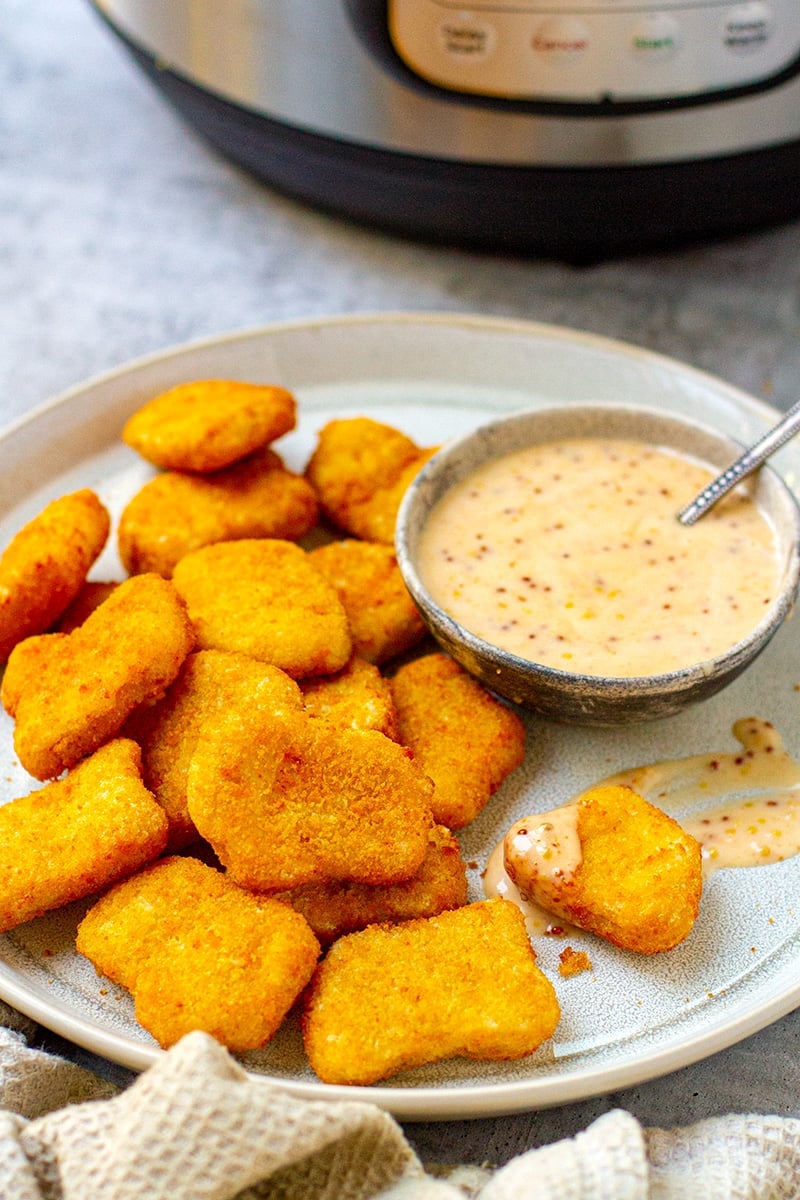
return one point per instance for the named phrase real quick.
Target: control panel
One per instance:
(596, 51)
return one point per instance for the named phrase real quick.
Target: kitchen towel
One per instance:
(196, 1126)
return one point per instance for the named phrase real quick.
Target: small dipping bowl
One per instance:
(569, 696)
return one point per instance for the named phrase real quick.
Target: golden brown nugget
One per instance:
(627, 872)
(209, 424)
(333, 909)
(264, 597)
(384, 621)
(78, 835)
(30, 662)
(394, 997)
(286, 799)
(462, 737)
(176, 512)
(357, 697)
(168, 731)
(45, 564)
(72, 692)
(122, 928)
(360, 470)
(90, 597)
(197, 952)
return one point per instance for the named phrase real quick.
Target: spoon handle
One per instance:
(778, 436)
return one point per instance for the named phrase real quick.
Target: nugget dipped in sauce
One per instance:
(209, 424)
(45, 564)
(70, 693)
(264, 597)
(80, 834)
(197, 952)
(613, 864)
(360, 470)
(177, 512)
(463, 738)
(394, 997)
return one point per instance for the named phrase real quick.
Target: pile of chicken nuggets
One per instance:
(252, 764)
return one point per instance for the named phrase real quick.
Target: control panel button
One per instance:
(561, 40)
(747, 27)
(655, 37)
(467, 39)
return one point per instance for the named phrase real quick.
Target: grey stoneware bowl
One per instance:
(563, 695)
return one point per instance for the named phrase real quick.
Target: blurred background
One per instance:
(122, 231)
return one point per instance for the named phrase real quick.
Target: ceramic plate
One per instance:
(628, 1019)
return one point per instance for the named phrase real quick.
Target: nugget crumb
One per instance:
(573, 962)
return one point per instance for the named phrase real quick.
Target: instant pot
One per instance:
(577, 129)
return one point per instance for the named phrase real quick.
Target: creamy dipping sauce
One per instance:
(759, 819)
(570, 554)
(497, 882)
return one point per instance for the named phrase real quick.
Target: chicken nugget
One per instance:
(72, 692)
(333, 909)
(465, 739)
(209, 423)
(264, 597)
(360, 470)
(44, 565)
(168, 731)
(75, 836)
(384, 621)
(197, 952)
(613, 864)
(30, 659)
(357, 697)
(90, 597)
(286, 799)
(394, 997)
(177, 512)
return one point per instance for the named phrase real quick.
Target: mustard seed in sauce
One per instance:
(610, 516)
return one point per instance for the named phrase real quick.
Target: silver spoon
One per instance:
(778, 436)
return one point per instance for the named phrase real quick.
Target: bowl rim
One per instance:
(602, 685)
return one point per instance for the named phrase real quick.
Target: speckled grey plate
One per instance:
(630, 1018)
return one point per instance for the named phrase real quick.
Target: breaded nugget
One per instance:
(465, 739)
(360, 470)
(30, 659)
(209, 423)
(90, 597)
(78, 835)
(286, 799)
(393, 997)
(44, 565)
(357, 697)
(384, 621)
(264, 597)
(633, 877)
(199, 953)
(333, 909)
(168, 731)
(177, 512)
(72, 692)
(123, 926)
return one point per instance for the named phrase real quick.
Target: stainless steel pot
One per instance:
(577, 129)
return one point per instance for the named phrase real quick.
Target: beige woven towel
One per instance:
(197, 1127)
